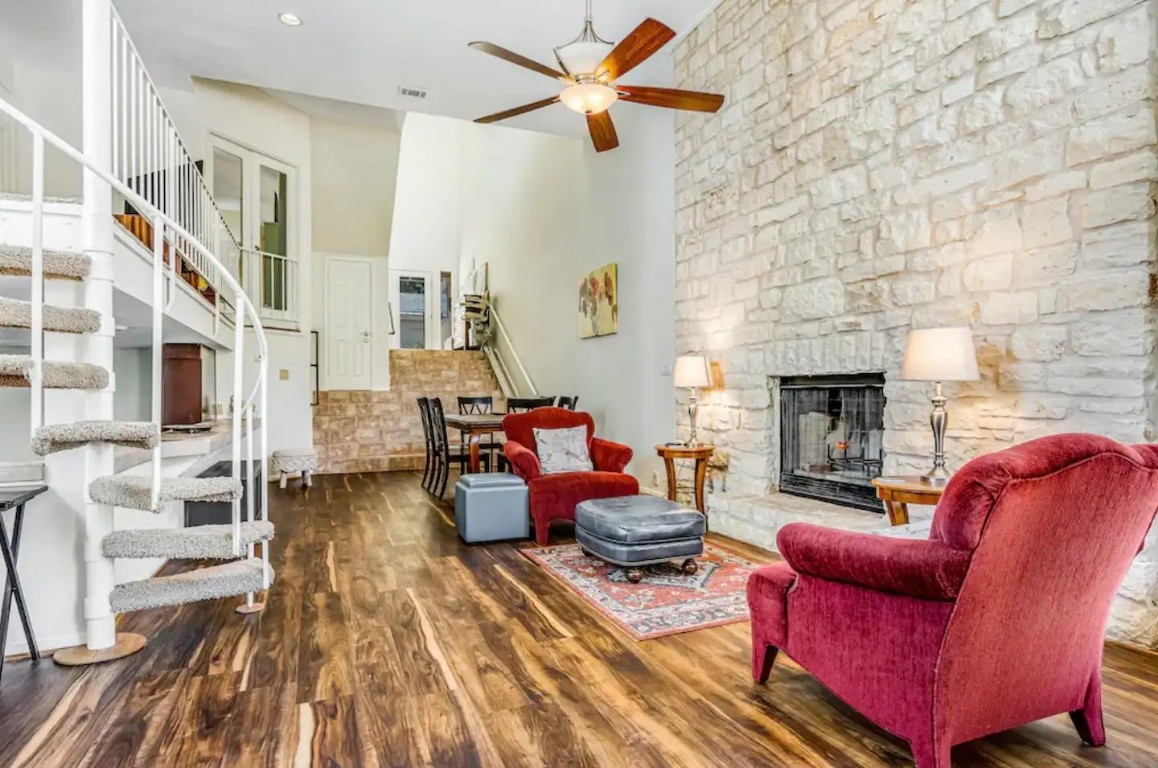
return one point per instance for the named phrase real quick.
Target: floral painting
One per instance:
(599, 302)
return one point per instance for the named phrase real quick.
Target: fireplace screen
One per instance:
(831, 435)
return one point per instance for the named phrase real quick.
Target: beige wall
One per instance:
(355, 170)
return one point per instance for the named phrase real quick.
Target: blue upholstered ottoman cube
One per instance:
(491, 506)
(634, 531)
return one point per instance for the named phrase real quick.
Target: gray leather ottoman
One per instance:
(491, 506)
(634, 531)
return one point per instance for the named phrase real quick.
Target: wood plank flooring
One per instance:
(387, 642)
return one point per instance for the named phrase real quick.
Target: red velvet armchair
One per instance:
(553, 497)
(996, 620)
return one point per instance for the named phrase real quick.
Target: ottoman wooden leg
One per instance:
(690, 567)
(307, 479)
(635, 575)
(282, 480)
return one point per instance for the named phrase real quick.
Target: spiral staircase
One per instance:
(82, 368)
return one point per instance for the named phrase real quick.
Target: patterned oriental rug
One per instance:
(667, 601)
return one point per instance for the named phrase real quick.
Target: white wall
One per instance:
(253, 119)
(354, 170)
(133, 398)
(542, 211)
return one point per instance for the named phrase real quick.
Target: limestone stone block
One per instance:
(1066, 16)
(1099, 292)
(1044, 85)
(1009, 308)
(1044, 266)
(1041, 344)
(1110, 206)
(1121, 245)
(1141, 166)
(994, 273)
(1113, 334)
(1111, 135)
(1046, 223)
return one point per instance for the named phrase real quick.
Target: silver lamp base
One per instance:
(939, 421)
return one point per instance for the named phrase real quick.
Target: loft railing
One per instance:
(271, 280)
(166, 232)
(150, 158)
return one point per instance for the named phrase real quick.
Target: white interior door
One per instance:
(412, 301)
(349, 332)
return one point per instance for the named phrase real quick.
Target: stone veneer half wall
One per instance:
(364, 431)
(881, 165)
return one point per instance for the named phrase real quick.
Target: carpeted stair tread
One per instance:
(134, 491)
(197, 542)
(59, 265)
(211, 583)
(15, 313)
(63, 437)
(15, 369)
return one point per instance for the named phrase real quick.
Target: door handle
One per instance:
(365, 337)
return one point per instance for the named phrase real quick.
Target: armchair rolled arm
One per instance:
(931, 570)
(523, 460)
(607, 456)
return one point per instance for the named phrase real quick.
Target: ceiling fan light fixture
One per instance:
(588, 98)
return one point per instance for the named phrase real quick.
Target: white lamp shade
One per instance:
(940, 354)
(692, 371)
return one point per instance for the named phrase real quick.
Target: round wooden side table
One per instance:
(898, 492)
(699, 453)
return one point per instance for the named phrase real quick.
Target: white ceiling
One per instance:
(362, 51)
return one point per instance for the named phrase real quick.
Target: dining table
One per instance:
(473, 426)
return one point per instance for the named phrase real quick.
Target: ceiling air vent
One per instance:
(414, 93)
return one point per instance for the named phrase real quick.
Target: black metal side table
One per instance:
(15, 499)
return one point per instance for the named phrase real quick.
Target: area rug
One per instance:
(666, 602)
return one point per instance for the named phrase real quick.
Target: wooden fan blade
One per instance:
(672, 98)
(602, 130)
(517, 110)
(522, 61)
(636, 48)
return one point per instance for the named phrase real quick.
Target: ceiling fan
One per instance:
(590, 68)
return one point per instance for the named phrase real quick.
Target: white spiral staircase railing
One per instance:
(169, 234)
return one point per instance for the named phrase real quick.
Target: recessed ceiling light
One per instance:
(290, 19)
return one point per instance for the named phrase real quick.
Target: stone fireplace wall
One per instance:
(881, 165)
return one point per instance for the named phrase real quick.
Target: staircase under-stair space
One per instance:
(88, 433)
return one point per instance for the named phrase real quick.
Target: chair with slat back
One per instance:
(476, 405)
(428, 441)
(443, 456)
(567, 401)
(524, 404)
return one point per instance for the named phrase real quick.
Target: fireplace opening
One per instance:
(831, 437)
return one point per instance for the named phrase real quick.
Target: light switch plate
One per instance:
(283, 374)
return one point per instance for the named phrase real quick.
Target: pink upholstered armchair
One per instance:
(553, 497)
(998, 619)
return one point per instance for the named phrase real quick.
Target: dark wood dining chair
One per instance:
(480, 406)
(428, 441)
(444, 459)
(567, 401)
(524, 404)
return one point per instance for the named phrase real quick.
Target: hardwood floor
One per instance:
(387, 642)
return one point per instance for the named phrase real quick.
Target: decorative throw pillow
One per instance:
(563, 450)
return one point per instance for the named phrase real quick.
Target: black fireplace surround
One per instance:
(831, 437)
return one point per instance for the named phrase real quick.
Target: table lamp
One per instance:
(938, 355)
(692, 372)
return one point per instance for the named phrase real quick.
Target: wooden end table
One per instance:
(899, 491)
(698, 453)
